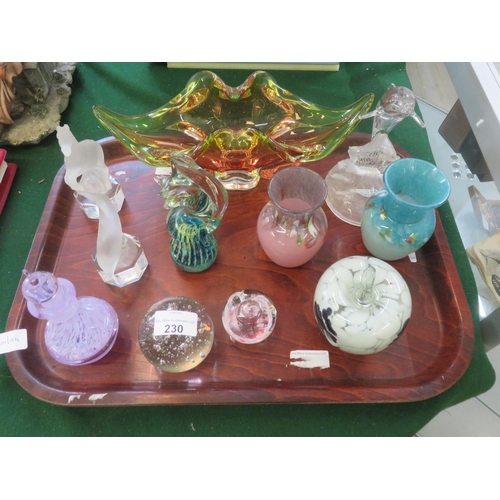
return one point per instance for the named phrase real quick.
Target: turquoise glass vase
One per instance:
(400, 219)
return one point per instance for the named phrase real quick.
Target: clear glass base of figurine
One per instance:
(131, 266)
(249, 317)
(115, 194)
(238, 180)
(353, 181)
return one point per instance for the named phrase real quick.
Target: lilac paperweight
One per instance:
(79, 330)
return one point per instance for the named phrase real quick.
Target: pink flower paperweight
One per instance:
(249, 316)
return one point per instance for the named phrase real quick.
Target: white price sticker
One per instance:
(15, 340)
(176, 323)
(310, 359)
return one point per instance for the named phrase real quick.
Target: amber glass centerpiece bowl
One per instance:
(236, 133)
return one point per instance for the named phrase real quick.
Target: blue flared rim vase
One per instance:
(416, 186)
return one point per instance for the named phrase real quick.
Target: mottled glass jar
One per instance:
(362, 304)
(292, 225)
(400, 219)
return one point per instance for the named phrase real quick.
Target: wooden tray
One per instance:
(430, 356)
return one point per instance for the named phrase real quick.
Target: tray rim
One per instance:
(263, 395)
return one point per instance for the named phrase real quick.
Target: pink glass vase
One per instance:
(292, 225)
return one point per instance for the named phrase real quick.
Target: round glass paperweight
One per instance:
(249, 317)
(176, 334)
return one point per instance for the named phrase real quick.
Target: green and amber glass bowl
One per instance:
(237, 133)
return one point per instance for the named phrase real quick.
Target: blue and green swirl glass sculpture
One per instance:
(196, 202)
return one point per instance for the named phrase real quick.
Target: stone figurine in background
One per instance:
(8, 72)
(119, 257)
(32, 98)
(351, 182)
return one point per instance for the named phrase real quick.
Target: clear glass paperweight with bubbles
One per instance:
(79, 330)
(176, 334)
(249, 316)
(237, 133)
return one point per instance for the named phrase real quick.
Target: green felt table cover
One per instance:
(135, 88)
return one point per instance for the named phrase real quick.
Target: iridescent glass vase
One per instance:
(400, 219)
(236, 133)
(292, 225)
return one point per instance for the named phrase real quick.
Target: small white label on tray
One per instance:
(15, 340)
(163, 170)
(310, 359)
(176, 323)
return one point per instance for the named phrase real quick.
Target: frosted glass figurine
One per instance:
(79, 330)
(88, 153)
(119, 257)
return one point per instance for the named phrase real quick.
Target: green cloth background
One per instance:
(134, 88)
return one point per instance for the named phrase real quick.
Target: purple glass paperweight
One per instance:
(249, 316)
(79, 330)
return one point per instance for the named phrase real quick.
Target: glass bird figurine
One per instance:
(352, 181)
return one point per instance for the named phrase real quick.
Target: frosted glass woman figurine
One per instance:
(119, 257)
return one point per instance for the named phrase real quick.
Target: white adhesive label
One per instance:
(310, 359)
(15, 340)
(176, 323)
(163, 170)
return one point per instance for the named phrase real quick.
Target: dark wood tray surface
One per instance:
(430, 356)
